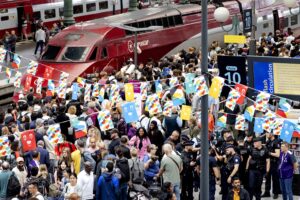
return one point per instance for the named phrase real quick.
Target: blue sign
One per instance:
(263, 76)
(258, 125)
(287, 131)
(75, 91)
(129, 112)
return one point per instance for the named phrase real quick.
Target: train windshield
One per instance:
(51, 52)
(75, 54)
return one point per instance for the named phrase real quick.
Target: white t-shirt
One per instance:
(39, 196)
(21, 175)
(127, 69)
(69, 189)
(85, 181)
(40, 35)
(289, 39)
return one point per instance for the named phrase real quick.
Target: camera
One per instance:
(154, 158)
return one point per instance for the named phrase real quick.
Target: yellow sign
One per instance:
(186, 112)
(129, 92)
(286, 78)
(216, 87)
(236, 39)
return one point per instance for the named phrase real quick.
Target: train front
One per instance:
(73, 52)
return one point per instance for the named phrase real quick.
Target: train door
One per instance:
(276, 20)
(20, 12)
(28, 11)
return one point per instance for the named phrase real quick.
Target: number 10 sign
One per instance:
(233, 69)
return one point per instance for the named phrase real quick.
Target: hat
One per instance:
(229, 146)
(184, 138)
(257, 139)
(188, 143)
(39, 121)
(20, 159)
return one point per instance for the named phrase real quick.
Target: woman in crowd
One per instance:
(93, 132)
(71, 187)
(140, 141)
(66, 158)
(59, 173)
(193, 127)
(45, 180)
(156, 137)
(72, 113)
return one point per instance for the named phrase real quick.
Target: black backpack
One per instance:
(13, 186)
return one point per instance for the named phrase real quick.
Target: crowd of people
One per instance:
(155, 157)
(40, 34)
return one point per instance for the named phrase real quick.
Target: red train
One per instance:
(98, 45)
(51, 11)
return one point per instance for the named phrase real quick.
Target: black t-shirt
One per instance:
(258, 158)
(113, 144)
(272, 146)
(187, 157)
(233, 160)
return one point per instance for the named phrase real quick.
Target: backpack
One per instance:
(137, 172)
(43, 186)
(13, 186)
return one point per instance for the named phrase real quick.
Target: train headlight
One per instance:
(221, 14)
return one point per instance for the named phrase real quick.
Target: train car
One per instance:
(100, 44)
(13, 12)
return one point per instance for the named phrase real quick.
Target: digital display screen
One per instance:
(277, 78)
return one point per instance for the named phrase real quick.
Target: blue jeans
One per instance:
(39, 44)
(176, 189)
(286, 188)
(123, 191)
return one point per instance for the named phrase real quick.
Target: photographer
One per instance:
(151, 163)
